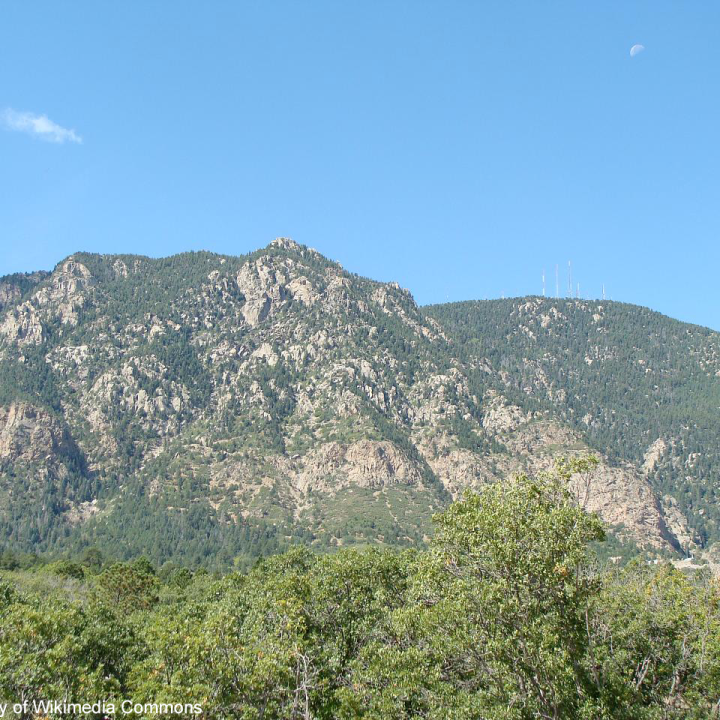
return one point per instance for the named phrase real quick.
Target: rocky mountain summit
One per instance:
(205, 405)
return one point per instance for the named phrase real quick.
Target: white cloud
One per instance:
(38, 125)
(635, 49)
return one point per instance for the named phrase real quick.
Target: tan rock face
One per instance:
(460, 469)
(677, 524)
(285, 243)
(66, 284)
(13, 287)
(60, 297)
(82, 512)
(22, 325)
(37, 448)
(653, 455)
(621, 497)
(500, 416)
(160, 410)
(265, 352)
(70, 362)
(120, 269)
(30, 434)
(365, 464)
(263, 285)
(318, 476)
(66, 292)
(303, 290)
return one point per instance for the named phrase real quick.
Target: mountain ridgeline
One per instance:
(212, 409)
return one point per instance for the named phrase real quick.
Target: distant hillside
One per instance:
(639, 386)
(212, 409)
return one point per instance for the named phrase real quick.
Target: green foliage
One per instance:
(29, 378)
(129, 587)
(66, 569)
(505, 616)
(496, 613)
(92, 559)
(656, 643)
(53, 650)
(8, 561)
(193, 537)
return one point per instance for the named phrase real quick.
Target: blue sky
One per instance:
(456, 147)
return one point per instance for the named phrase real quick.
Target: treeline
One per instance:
(506, 615)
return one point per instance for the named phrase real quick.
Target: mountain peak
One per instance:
(284, 243)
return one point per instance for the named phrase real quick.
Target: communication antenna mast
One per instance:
(543, 282)
(557, 281)
(603, 291)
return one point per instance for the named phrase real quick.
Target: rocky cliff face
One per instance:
(274, 387)
(30, 434)
(13, 287)
(41, 471)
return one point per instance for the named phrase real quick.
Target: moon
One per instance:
(636, 49)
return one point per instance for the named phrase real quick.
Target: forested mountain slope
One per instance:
(212, 408)
(639, 386)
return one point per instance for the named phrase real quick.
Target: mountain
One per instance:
(640, 387)
(210, 409)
